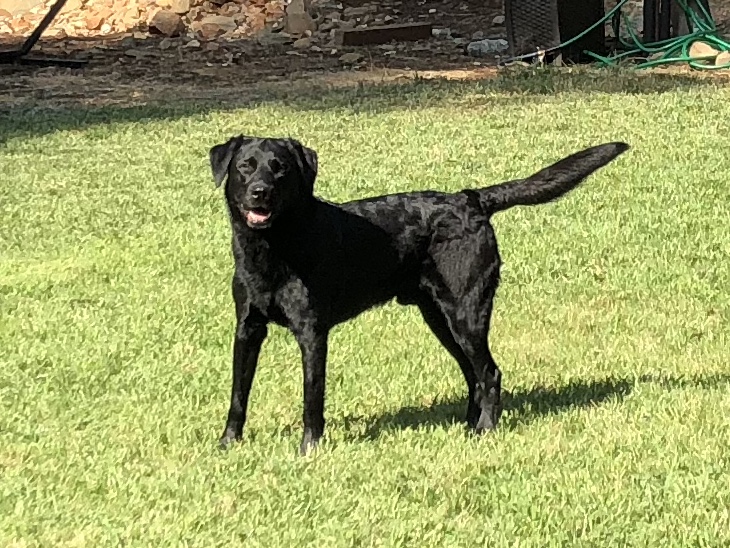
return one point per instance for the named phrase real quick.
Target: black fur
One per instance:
(308, 265)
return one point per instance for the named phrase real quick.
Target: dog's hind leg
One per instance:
(462, 283)
(436, 321)
(470, 328)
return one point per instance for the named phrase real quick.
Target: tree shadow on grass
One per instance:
(507, 87)
(523, 407)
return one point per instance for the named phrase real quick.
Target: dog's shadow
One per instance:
(524, 407)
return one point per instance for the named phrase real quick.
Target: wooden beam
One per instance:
(383, 34)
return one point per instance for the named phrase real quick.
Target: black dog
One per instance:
(308, 265)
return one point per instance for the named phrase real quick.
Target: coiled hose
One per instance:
(664, 52)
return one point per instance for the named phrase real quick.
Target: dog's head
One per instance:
(266, 178)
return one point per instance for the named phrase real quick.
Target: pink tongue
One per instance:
(254, 217)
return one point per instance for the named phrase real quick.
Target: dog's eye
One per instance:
(275, 166)
(251, 164)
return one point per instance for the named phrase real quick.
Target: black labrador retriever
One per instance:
(307, 264)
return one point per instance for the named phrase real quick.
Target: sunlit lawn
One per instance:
(611, 327)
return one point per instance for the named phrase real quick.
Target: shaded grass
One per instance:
(611, 327)
(511, 86)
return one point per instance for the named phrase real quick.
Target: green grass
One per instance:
(611, 327)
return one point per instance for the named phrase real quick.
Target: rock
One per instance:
(166, 43)
(72, 5)
(130, 18)
(180, 7)
(58, 34)
(139, 53)
(498, 21)
(700, 50)
(723, 60)
(19, 6)
(105, 12)
(350, 58)
(21, 25)
(632, 15)
(105, 18)
(302, 43)
(359, 11)
(230, 9)
(213, 26)
(268, 38)
(298, 21)
(480, 48)
(93, 22)
(655, 56)
(193, 44)
(167, 23)
(478, 35)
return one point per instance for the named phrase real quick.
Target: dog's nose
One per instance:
(259, 192)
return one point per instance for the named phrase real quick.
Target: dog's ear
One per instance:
(307, 160)
(221, 156)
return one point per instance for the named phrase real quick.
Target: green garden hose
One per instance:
(664, 52)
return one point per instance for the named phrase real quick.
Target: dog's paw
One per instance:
(228, 438)
(472, 415)
(309, 444)
(488, 419)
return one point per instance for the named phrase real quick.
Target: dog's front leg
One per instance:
(313, 344)
(250, 334)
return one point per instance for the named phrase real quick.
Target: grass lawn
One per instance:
(611, 328)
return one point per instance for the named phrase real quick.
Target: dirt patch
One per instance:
(135, 67)
(138, 67)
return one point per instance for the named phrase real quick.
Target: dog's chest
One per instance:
(272, 287)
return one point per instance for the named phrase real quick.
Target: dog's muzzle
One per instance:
(257, 211)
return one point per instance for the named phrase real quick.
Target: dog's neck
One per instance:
(286, 242)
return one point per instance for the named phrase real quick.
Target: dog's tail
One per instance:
(552, 182)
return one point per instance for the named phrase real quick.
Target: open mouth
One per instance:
(257, 217)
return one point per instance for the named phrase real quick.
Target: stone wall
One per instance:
(632, 13)
(205, 18)
(199, 19)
